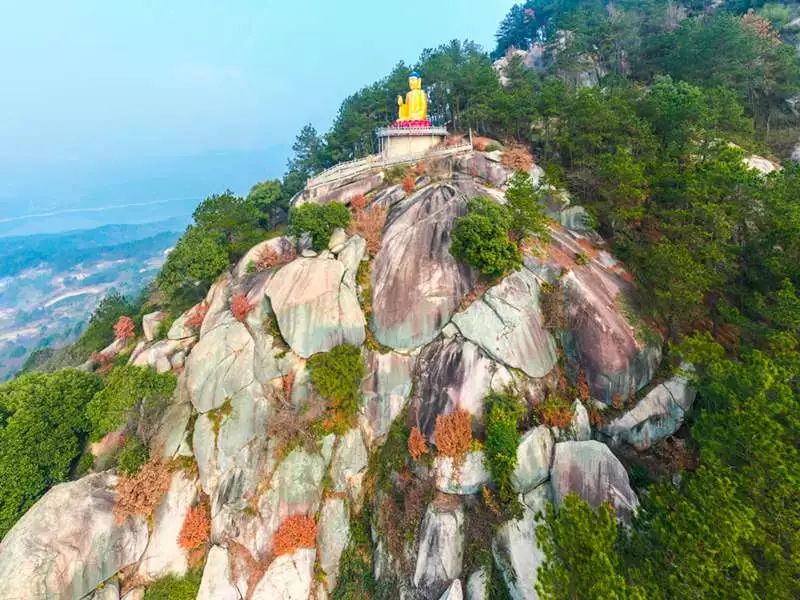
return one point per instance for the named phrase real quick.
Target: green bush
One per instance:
(175, 588)
(318, 220)
(502, 438)
(525, 206)
(480, 238)
(493, 146)
(356, 581)
(337, 376)
(132, 456)
(43, 426)
(126, 386)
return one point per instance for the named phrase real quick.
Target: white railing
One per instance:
(375, 161)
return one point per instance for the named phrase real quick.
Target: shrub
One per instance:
(502, 438)
(453, 433)
(409, 183)
(337, 376)
(196, 261)
(196, 527)
(126, 386)
(417, 446)
(241, 306)
(197, 316)
(369, 225)
(525, 207)
(555, 412)
(517, 158)
(297, 531)
(493, 146)
(480, 238)
(396, 173)
(124, 329)
(42, 427)
(356, 580)
(132, 456)
(140, 493)
(318, 220)
(359, 202)
(175, 588)
(269, 258)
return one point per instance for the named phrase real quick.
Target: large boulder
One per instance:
(516, 551)
(69, 542)
(288, 577)
(159, 355)
(416, 282)
(315, 307)
(220, 367)
(281, 247)
(332, 535)
(464, 478)
(217, 576)
(534, 456)
(599, 336)
(507, 323)
(451, 374)
(590, 470)
(164, 556)
(656, 416)
(480, 165)
(454, 592)
(476, 585)
(441, 547)
(151, 323)
(385, 392)
(349, 462)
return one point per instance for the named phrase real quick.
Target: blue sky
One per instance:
(89, 83)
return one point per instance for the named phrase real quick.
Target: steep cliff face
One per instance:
(434, 342)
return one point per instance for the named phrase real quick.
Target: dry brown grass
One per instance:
(368, 223)
(555, 412)
(140, 493)
(551, 302)
(417, 446)
(453, 433)
(517, 158)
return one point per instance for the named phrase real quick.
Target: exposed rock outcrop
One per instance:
(441, 548)
(590, 470)
(416, 282)
(69, 542)
(534, 457)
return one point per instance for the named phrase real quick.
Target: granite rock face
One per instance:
(590, 470)
(385, 392)
(416, 282)
(453, 373)
(69, 542)
(656, 416)
(534, 457)
(288, 577)
(441, 548)
(507, 324)
(315, 307)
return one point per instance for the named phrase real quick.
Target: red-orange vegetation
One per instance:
(358, 202)
(421, 168)
(369, 224)
(583, 387)
(517, 158)
(196, 527)
(453, 433)
(103, 362)
(197, 316)
(760, 27)
(597, 417)
(287, 383)
(140, 493)
(297, 531)
(269, 258)
(241, 306)
(124, 329)
(617, 401)
(409, 183)
(480, 143)
(417, 446)
(555, 412)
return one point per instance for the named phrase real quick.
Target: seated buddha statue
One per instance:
(415, 106)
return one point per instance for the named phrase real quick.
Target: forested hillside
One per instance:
(649, 114)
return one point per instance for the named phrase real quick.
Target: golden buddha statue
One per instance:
(415, 106)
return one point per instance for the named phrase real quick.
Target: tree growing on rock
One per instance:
(124, 329)
(525, 205)
(319, 221)
(481, 238)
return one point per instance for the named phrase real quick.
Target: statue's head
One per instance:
(415, 81)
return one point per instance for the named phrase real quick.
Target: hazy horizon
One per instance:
(126, 105)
